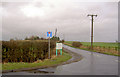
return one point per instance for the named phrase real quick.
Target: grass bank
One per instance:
(97, 49)
(47, 62)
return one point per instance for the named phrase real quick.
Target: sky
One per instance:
(37, 17)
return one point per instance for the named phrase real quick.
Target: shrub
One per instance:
(76, 44)
(61, 41)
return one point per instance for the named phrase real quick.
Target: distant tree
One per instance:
(63, 41)
(26, 38)
(32, 38)
(35, 38)
(42, 38)
(76, 44)
(16, 38)
(55, 38)
(11, 39)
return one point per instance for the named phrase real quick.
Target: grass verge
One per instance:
(92, 50)
(47, 62)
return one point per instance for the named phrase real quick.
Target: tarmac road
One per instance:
(92, 64)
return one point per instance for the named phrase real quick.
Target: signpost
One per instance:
(59, 46)
(49, 34)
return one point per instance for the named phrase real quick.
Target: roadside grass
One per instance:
(47, 62)
(69, 43)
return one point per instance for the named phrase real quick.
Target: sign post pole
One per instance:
(49, 34)
(49, 47)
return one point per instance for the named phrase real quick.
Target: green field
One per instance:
(47, 62)
(100, 47)
(103, 44)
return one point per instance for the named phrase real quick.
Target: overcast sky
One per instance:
(24, 19)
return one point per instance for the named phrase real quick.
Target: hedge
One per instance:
(25, 51)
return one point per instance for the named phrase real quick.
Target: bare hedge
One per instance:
(25, 51)
(76, 44)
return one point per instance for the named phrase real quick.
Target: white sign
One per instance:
(58, 45)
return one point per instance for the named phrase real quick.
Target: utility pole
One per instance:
(55, 32)
(64, 37)
(92, 29)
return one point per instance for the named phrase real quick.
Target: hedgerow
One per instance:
(25, 51)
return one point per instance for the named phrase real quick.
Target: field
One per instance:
(102, 44)
(100, 47)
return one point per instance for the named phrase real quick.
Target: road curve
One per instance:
(92, 64)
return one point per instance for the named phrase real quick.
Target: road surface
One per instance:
(92, 64)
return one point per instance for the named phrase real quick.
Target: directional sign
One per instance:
(49, 34)
(58, 45)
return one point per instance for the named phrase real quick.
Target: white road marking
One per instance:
(117, 61)
(98, 55)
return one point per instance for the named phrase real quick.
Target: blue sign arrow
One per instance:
(49, 34)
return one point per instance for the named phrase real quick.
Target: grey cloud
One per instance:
(70, 19)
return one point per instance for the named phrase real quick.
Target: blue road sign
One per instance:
(49, 34)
